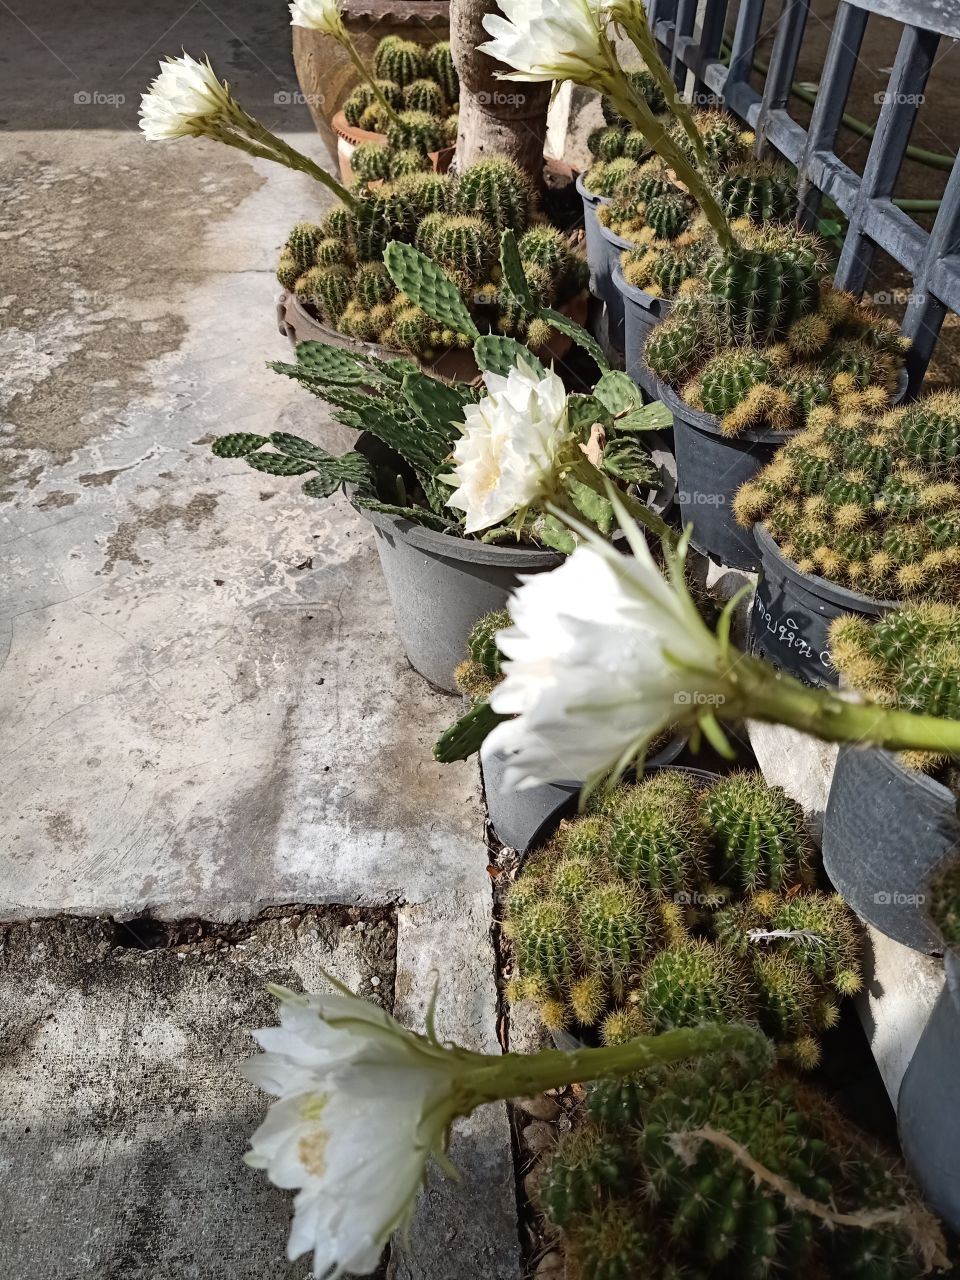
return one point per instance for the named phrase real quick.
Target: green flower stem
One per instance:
(351, 51)
(521, 1076)
(763, 695)
(635, 109)
(238, 129)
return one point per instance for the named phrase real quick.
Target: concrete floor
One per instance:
(204, 709)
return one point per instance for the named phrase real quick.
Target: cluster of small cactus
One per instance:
(676, 902)
(420, 85)
(617, 141)
(759, 337)
(713, 1169)
(480, 673)
(859, 498)
(337, 269)
(909, 658)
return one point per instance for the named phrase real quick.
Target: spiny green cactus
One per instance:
(760, 192)
(760, 832)
(428, 193)
(451, 128)
(544, 941)
(611, 1243)
(415, 129)
(616, 928)
(655, 841)
(440, 66)
(607, 177)
(288, 270)
(331, 253)
(338, 225)
(372, 285)
(667, 215)
(931, 433)
(832, 953)
(482, 642)
(302, 244)
(399, 61)
(464, 243)
(370, 161)
(694, 982)
(758, 291)
(722, 135)
(409, 161)
(635, 145)
(606, 143)
(646, 86)
(380, 216)
(587, 836)
(545, 247)
(329, 288)
(678, 345)
(575, 875)
(727, 378)
(496, 190)
(411, 328)
(362, 98)
(584, 1165)
(425, 95)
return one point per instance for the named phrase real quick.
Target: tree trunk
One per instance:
(497, 117)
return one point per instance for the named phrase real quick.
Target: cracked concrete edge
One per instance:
(468, 1227)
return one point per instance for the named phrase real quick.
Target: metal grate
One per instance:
(690, 33)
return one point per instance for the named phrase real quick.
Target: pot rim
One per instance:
(612, 238)
(640, 296)
(710, 423)
(592, 196)
(831, 590)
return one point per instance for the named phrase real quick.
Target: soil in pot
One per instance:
(792, 612)
(711, 467)
(885, 830)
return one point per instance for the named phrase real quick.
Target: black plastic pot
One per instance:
(519, 817)
(792, 612)
(603, 257)
(642, 312)
(928, 1108)
(711, 467)
(885, 831)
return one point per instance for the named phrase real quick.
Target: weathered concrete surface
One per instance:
(204, 708)
(124, 1120)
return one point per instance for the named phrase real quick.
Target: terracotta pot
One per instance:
(348, 137)
(296, 323)
(325, 73)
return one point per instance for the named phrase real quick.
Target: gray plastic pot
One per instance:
(885, 831)
(928, 1107)
(792, 612)
(711, 467)
(642, 312)
(591, 228)
(519, 817)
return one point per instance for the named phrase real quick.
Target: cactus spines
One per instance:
(370, 161)
(583, 1165)
(416, 129)
(615, 924)
(427, 192)
(381, 216)
(758, 292)
(425, 95)
(759, 830)
(612, 1244)
(607, 177)
(930, 431)
(372, 285)
(441, 68)
(407, 162)
(497, 190)
(302, 244)
(692, 983)
(643, 84)
(399, 61)
(667, 215)
(635, 145)
(464, 243)
(545, 247)
(606, 143)
(586, 837)
(726, 379)
(337, 225)
(722, 135)
(329, 288)
(482, 641)
(411, 329)
(288, 270)
(760, 192)
(654, 840)
(363, 99)
(587, 998)
(544, 942)
(678, 345)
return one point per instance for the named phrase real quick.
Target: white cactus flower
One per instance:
(507, 455)
(184, 96)
(548, 39)
(318, 15)
(603, 654)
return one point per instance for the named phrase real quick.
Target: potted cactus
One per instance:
(859, 510)
(718, 1168)
(337, 289)
(928, 1106)
(683, 899)
(455, 478)
(892, 820)
(759, 340)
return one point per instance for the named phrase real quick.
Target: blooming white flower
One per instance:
(547, 39)
(604, 653)
(184, 94)
(362, 1105)
(507, 454)
(317, 15)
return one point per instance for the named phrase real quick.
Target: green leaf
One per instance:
(513, 274)
(596, 508)
(465, 738)
(437, 403)
(425, 284)
(629, 461)
(651, 417)
(619, 393)
(332, 364)
(419, 515)
(583, 412)
(563, 324)
(278, 464)
(297, 447)
(238, 445)
(496, 354)
(554, 534)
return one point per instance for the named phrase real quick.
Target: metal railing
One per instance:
(691, 35)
